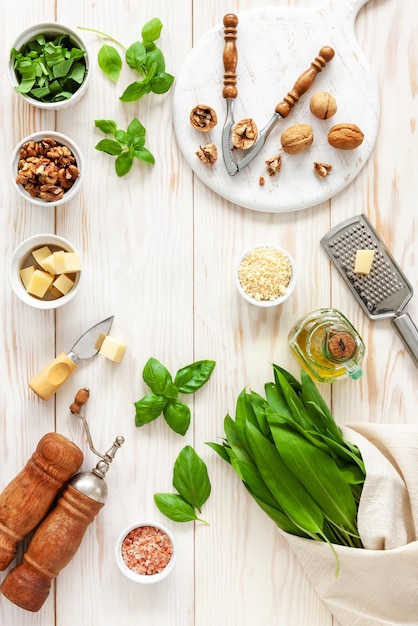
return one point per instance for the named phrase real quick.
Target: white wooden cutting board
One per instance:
(275, 45)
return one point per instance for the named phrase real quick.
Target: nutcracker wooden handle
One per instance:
(305, 81)
(50, 379)
(230, 56)
(28, 497)
(52, 547)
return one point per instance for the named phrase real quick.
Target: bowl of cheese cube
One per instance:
(45, 271)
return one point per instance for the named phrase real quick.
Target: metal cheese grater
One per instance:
(385, 291)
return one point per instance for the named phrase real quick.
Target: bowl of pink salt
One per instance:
(145, 552)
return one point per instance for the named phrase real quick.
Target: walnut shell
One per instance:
(323, 105)
(244, 133)
(297, 138)
(345, 136)
(203, 118)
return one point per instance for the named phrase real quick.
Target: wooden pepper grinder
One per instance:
(57, 539)
(28, 497)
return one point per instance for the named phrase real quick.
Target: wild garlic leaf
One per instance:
(174, 507)
(191, 377)
(177, 416)
(110, 61)
(190, 477)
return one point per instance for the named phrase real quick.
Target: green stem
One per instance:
(101, 34)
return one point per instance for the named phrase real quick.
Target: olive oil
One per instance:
(327, 345)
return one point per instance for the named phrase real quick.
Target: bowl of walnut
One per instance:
(266, 275)
(47, 168)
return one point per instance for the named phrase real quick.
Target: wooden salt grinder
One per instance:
(57, 539)
(27, 498)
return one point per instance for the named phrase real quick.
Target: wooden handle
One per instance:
(230, 56)
(47, 382)
(304, 82)
(52, 547)
(28, 497)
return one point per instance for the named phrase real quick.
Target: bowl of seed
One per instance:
(265, 275)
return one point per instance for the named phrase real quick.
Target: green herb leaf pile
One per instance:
(49, 70)
(164, 393)
(290, 454)
(190, 478)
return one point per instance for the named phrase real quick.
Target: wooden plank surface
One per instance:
(159, 249)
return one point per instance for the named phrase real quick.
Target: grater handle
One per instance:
(408, 332)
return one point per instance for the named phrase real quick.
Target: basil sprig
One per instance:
(191, 479)
(144, 57)
(125, 145)
(163, 398)
(49, 69)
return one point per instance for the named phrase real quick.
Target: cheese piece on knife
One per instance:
(112, 349)
(364, 260)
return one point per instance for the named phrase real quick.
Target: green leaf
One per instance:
(135, 129)
(109, 146)
(156, 57)
(110, 61)
(149, 408)
(161, 82)
(156, 376)
(135, 56)
(190, 478)
(107, 126)
(192, 377)
(144, 155)
(123, 163)
(177, 416)
(175, 508)
(220, 450)
(151, 31)
(134, 91)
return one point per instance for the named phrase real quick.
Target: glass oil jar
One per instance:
(327, 346)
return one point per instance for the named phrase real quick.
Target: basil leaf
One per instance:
(135, 129)
(110, 61)
(148, 408)
(174, 507)
(136, 55)
(161, 82)
(122, 137)
(190, 477)
(144, 155)
(107, 126)
(156, 376)
(156, 57)
(123, 163)
(151, 31)
(109, 146)
(190, 378)
(177, 416)
(133, 92)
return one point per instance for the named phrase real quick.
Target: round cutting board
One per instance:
(275, 45)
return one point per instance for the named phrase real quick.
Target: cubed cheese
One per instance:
(363, 262)
(40, 283)
(40, 254)
(66, 262)
(112, 349)
(63, 283)
(26, 274)
(48, 263)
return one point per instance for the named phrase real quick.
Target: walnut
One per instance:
(244, 133)
(274, 165)
(203, 118)
(208, 154)
(322, 169)
(323, 105)
(345, 136)
(297, 138)
(46, 169)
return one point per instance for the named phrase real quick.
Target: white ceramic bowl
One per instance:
(261, 265)
(145, 579)
(62, 140)
(21, 258)
(51, 30)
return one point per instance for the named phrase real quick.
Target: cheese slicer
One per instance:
(385, 291)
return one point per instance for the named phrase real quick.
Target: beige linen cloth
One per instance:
(377, 585)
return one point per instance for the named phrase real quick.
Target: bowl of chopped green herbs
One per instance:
(49, 66)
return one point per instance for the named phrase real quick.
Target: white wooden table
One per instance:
(159, 248)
